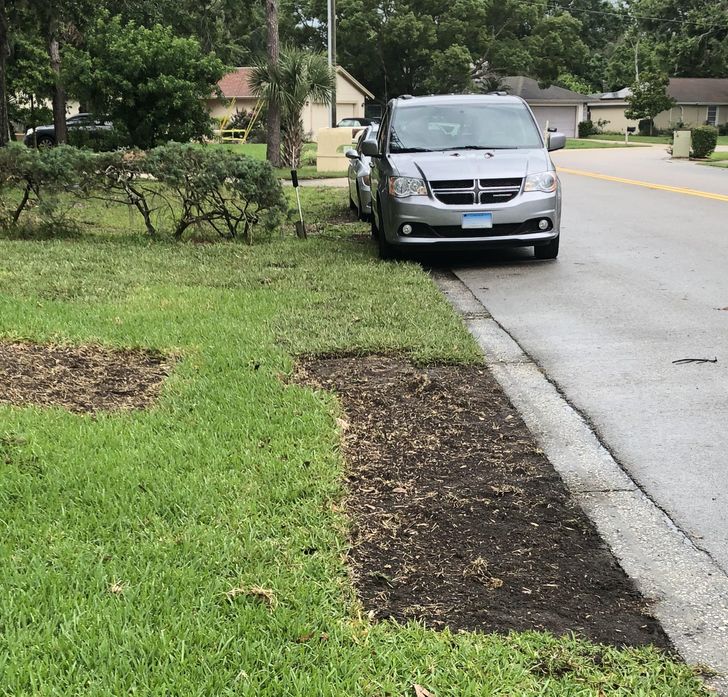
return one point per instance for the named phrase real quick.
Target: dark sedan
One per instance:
(83, 124)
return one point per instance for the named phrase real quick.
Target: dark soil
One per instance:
(80, 378)
(459, 520)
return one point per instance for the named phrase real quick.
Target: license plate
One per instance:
(472, 221)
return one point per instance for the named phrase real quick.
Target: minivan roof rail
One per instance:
(405, 96)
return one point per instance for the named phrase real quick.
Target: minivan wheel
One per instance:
(373, 225)
(362, 215)
(385, 248)
(46, 142)
(548, 251)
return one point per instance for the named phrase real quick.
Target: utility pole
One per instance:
(273, 119)
(332, 56)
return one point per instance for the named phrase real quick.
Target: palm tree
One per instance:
(298, 77)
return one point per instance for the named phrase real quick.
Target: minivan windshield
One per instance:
(463, 126)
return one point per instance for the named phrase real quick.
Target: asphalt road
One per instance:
(642, 281)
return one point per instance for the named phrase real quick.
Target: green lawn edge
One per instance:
(123, 534)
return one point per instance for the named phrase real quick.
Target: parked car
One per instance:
(45, 136)
(360, 198)
(354, 122)
(463, 171)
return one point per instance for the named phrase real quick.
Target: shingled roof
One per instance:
(236, 84)
(699, 90)
(528, 88)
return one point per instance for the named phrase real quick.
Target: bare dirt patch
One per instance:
(459, 520)
(80, 378)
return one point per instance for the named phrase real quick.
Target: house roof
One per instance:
(237, 83)
(699, 90)
(619, 95)
(528, 88)
(684, 90)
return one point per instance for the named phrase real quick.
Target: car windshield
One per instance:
(429, 127)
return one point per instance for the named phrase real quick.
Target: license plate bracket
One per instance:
(476, 221)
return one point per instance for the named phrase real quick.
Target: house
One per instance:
(699, 100)
(351, 96)
(553, 106)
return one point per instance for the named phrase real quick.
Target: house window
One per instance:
(712, 115)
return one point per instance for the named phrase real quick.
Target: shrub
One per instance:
(645, 127)
(42, 177)
(723, 129)
(586, 129)
(704, 138)
(195, 187)
(242, 120)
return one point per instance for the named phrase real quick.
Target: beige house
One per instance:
(699, 100)
(237, 96)
(553, 107)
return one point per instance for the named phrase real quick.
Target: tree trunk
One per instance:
(59, 93)
(4, 53)
(273, 124)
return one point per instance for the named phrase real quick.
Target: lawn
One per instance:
(717, 159)
(307, 171)
(583, 144)
(196, 548)
(652, 140)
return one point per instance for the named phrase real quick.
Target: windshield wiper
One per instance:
(479, 147)
(401, 149)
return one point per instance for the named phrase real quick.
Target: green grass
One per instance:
(583, 144)
(717, 159)
(258, 151)
(233, 480)
(653, 140)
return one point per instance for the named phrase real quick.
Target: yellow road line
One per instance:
(648, 185)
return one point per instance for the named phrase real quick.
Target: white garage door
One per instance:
(562, 118)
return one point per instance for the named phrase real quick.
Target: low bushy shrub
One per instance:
(173, 187)
(586, 129)
(41, 181)
(229, 193)
(645, 127)
(723, 129)
(704, 139)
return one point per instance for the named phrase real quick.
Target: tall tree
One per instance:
(273, 113)
(158, 96)
(4, 54)
(649, 97)
(53, 37)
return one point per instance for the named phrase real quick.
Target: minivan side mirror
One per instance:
(370, 148)
(352, 154)
(557, 141)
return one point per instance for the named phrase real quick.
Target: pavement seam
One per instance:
(688, 589)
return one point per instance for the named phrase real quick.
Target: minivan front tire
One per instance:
(547, 251)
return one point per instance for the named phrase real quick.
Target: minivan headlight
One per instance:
(407, 186)
(543, 181)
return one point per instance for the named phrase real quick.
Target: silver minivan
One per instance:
(463, 172)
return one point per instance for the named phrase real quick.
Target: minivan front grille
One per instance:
(468, 192)
(452, 184)
(456, 199)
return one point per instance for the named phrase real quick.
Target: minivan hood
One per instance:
(471, 164)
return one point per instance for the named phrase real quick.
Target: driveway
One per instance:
(642, 281)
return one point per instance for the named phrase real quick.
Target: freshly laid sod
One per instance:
(196, 547)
